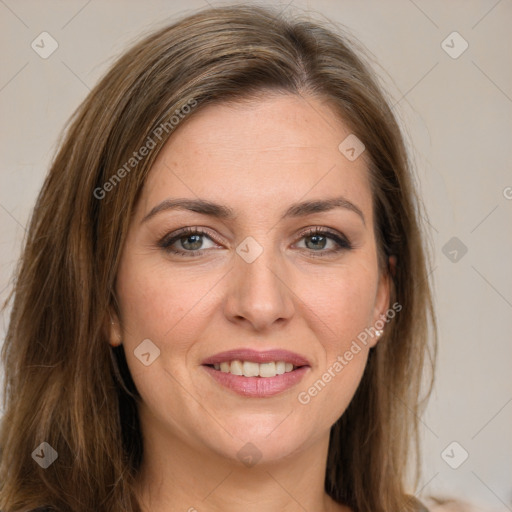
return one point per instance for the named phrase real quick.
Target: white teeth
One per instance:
(251, 369)
(237, 367)
(280, 367)
(268, 369)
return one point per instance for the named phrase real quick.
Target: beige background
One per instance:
(457, 112)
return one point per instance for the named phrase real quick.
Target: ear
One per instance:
(113, 328)
(382, 300)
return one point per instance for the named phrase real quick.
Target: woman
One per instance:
(223, 301)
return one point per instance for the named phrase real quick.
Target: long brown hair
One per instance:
(66, 386)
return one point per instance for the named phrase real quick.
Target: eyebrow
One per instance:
(226, 213)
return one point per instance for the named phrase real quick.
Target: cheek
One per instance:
(343, 304)
(344, 311)
(167, 307)
(158, 303)
(341, 308)
(331, 391)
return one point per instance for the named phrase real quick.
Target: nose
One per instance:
(260, 293)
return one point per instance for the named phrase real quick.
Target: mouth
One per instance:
(257, 374)
(254, 369)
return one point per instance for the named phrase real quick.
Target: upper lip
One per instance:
(267, 356)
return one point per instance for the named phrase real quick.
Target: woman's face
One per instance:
(256, 283)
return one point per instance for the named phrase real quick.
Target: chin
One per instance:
(268, 442)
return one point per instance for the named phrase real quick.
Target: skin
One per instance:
(257, 158)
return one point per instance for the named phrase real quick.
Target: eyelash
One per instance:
(342, 242)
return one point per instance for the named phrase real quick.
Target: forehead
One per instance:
(261, 154)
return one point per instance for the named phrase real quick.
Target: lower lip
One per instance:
(258, 387)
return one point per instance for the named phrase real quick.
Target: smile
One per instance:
(253, 369)
(251, 373)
